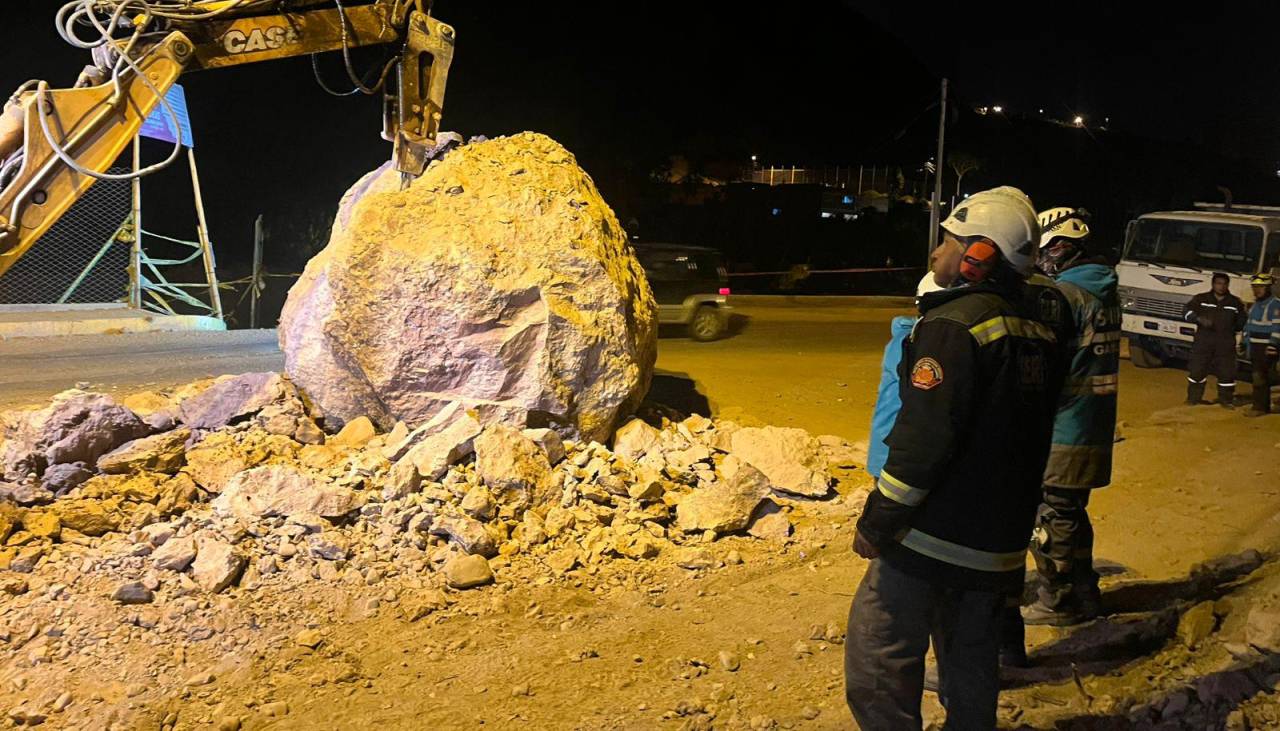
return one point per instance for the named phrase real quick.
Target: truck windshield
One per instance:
(1196, 244)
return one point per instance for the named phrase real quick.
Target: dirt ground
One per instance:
(1192, 484)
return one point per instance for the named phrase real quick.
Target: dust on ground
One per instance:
(1184, 644)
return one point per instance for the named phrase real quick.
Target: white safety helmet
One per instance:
(1004, 215)
(1063, 223)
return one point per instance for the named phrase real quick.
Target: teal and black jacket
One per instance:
(1084, 430)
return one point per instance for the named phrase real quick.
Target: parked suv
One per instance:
(691, 286)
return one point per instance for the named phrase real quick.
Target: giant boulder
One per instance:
(499, 280)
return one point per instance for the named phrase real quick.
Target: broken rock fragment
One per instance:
(230, 399)
(176, 554)
(635, 439)
(466, 532)
(356, 433)
(791, 458)
(218, 564)
(724, 506)
(513, 466)
(466, 572)
(769, 523)
(160, 453)
(62, 478)
(133, 593)
(75, 427)
(277, 490)
(433, 455)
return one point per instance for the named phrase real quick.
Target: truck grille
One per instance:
(1158, 307)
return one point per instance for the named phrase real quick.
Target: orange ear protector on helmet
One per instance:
(979, 259)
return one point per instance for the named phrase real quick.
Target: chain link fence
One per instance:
(83, 258)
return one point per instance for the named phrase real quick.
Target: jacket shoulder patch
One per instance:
(926, 374)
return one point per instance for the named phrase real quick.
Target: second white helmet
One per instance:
(1006, 216)
(1063, 223)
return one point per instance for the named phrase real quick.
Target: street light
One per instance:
(1078, 121)
(997, 109)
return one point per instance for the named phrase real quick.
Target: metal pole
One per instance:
(85, 272)
(135, 255)
(859, 180)
(258, 236)
(202, 229)
(935, 208)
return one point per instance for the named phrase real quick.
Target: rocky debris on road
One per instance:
(201, 536)
(453, 488)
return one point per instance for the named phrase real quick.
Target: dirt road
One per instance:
(1191, 484)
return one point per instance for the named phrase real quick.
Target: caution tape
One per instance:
(825, 271)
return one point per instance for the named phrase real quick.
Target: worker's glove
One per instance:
(864, 547)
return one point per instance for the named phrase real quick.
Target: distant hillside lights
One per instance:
(1077, 120)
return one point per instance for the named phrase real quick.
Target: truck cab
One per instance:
(1170, 256)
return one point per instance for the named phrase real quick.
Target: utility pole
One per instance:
(935, 207)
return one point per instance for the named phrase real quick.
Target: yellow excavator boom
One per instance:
(55, 143)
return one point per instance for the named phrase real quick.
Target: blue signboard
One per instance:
(159, 125)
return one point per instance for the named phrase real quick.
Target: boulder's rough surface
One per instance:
(499, 280)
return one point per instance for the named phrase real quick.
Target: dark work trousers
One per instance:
(1062, 545)
(1263, 370)
(893, 617)
(1212, 355)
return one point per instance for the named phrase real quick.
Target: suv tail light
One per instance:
(724, 291)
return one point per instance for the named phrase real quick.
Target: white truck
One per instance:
(1170, 256)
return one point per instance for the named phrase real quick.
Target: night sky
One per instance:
(624, 85)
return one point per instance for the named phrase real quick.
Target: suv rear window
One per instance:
(680, 266)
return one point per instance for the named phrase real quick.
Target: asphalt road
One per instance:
(32, 369)
(814, 363)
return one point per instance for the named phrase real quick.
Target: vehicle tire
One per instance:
(1143, 357)
(706, 325)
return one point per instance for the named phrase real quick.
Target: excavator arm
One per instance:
(55, 143)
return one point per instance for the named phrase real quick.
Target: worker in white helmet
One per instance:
(947, 528)
(1084, 430)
